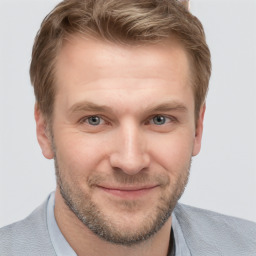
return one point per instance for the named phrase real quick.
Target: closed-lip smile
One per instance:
(128, 192)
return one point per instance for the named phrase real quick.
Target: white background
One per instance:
(223, 176)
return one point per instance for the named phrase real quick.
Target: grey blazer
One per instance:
(205, 232)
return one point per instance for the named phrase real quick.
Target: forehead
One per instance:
(86, 66)
(100, 56)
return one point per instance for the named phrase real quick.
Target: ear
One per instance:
(199, 131)
(43, 134)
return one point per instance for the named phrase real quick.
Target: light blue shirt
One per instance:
(62, 247)
(60, 244)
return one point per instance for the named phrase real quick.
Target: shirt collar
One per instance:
(181, 248)
(60, 244)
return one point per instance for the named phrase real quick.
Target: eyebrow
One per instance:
(168, 106)
(89, 106)
(162, 107)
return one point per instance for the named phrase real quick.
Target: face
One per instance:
(123, 134)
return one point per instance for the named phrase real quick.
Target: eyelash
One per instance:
(84, 119)
(147, 122)
(171, 118)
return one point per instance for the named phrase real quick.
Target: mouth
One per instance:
(129, 193)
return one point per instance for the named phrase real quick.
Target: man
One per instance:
(120, 92)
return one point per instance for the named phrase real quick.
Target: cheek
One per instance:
(173, 151)
(77, 153)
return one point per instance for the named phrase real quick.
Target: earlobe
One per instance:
(43, 134)
(199, 131)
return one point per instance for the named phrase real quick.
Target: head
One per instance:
(120, 88)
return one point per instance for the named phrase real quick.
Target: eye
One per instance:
(94, 120)
(94, 123)
(160, 120)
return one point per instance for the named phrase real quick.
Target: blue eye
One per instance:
(159, 120)
(94, 120)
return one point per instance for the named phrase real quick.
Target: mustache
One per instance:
(122, 178)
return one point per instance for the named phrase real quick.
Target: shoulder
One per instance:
(27, 237)
(206, 231)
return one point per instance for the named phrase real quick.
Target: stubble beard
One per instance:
(92, 217)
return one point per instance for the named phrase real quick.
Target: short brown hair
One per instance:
(120, 21)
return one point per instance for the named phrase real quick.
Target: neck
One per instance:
(85, 242)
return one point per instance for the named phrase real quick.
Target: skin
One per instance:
(128, 165)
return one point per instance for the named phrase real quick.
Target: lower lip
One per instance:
(128, 194)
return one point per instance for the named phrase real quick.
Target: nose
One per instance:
(129, 152)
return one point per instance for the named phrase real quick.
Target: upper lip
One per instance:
(128, 188)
